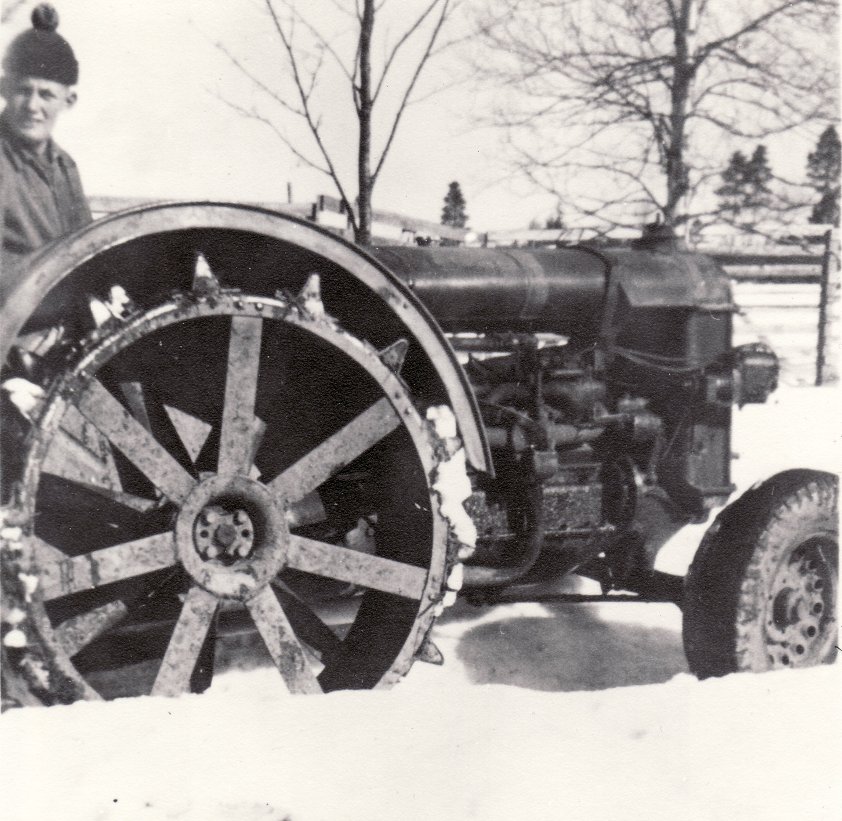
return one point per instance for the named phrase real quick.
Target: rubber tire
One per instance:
(726, 590)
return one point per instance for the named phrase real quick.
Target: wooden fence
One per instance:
(790, 300)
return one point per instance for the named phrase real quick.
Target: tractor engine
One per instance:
(605, 383)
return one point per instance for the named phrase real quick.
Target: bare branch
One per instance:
(304, 92)
(322, 41)
(784, 7)
(9, 10)
(401, 41)
(634, 90)
(253, 114)
(419, 67)
(258, 82)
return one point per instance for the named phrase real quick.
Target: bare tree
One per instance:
(638, 97)
(378, 65)
(9, 8)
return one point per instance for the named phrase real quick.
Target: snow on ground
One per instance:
(540, 712)
(745, 747)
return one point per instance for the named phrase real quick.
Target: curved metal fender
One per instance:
(50, 266)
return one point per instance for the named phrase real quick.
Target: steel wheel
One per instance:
(215, 459)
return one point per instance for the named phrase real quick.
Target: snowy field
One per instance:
(539, 712)
(747, 747)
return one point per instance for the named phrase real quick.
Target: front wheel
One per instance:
(215, 460)
(761, 592)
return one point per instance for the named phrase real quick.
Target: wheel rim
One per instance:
(215, 495)
(799, 626)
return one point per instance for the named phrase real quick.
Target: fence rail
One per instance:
(790, 300)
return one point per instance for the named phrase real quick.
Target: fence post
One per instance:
(827, 352)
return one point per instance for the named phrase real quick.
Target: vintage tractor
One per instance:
(218, 418)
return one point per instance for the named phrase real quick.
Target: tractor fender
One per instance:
(258, 251)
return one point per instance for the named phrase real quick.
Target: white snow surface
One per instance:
(441, 747)
(539, 712)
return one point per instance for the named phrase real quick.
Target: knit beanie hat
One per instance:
(41, 51)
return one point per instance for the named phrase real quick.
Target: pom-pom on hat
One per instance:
(41, 51)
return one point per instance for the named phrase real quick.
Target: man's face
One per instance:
(33, 105)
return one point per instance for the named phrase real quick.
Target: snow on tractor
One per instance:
(219, 419)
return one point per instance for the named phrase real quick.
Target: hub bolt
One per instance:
(223, 534)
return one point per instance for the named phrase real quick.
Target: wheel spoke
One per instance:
(360, 434)
(129, 500)
(77, 632)
(258, 430)
(100, 408)
(62, 575)
(186, 643)
(236, 444)
(307, 625)
(361, 569)
(280, 640)
(79, 453)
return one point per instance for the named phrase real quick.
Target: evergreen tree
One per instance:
(453, 213)
(759, 177)
(823, 171)
(826, 210)
(731, 192)
(745, 194)
(556, 221)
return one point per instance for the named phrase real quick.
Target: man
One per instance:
(40, 189)
(40, 192)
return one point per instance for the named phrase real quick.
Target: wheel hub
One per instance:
(231, 536)
(795, 620)
(224, 535)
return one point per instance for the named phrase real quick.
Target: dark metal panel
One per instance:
(652, 279)
(486, 290)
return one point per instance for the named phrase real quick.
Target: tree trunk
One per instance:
(363, 235)
(676, 170)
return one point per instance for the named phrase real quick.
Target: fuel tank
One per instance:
(485, 290)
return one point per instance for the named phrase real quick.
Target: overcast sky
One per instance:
(150, 121)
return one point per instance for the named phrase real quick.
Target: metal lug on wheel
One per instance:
(204, 281)
(119, 302)
(99, 311)
(26, 396)
(310, 297)
(429, 653)
(393, 355)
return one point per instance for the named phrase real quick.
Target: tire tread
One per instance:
(722, 584)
